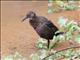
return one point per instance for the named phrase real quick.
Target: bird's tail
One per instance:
(59, 33)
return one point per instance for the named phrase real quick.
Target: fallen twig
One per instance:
(61, 50)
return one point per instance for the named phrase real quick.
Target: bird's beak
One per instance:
(24, 19)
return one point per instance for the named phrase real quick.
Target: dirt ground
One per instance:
(21, 37)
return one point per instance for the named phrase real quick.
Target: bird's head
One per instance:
(29, 15)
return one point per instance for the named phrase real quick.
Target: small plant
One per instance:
(61, 5)
(15, 56)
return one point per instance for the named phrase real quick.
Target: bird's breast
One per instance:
(34, 24)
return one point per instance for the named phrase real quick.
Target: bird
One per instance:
(44, 27)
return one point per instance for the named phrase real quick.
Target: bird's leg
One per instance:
(48, 43)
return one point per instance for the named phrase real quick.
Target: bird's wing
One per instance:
(47, 22)
(46, 30)
(42, 19)
(51, 26)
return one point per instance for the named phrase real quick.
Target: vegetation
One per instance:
(62, 5)
(68, 53)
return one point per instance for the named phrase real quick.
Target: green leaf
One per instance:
(50, 1)
(9, 57)
(78, 28)
(40, 45)
(68, 25)
(72, 29)
(60, 3)
(69, 53)
(50, 10)
(68, 35)
(35, 57)
(78, 38)
(17, 55)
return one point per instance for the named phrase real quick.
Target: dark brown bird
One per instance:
(45, 28)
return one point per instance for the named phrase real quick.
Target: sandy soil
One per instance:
(21, 37)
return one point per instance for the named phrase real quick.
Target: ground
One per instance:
(20, 36)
